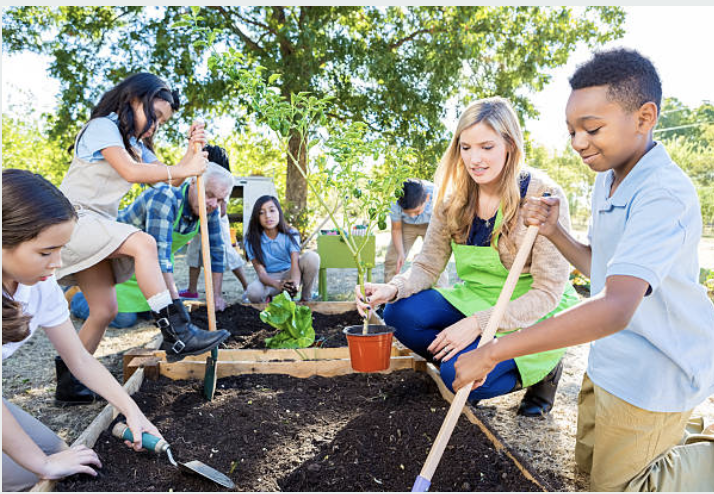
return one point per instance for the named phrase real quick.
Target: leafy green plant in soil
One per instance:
(293, 321)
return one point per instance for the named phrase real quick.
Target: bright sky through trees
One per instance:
(677, 39)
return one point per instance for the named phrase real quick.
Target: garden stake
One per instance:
(209, 380)
(157, 445)
(423, 481)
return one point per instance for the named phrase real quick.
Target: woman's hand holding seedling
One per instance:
(542, 212)
(376, 294)
(455, 338)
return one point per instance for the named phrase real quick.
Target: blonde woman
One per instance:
(477, 217)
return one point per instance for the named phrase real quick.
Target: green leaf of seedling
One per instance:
(273, 78)
(195, 10)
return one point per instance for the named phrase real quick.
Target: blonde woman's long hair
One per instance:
(458, 195)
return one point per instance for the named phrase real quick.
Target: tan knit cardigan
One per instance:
(550, 270)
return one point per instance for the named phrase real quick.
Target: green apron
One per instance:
(483, 278)
(129, 295)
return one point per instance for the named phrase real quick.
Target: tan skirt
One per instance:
(94, 239)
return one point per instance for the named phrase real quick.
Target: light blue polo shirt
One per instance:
(397, 214)
(650, 228)
(102, 133)
(276, 252)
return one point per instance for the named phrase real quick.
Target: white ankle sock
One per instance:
(160, 300)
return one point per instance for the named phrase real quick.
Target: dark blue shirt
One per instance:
(481, 230)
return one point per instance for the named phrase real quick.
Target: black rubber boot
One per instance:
(539, 398)
(178, 305)
(69, 390)
(181, 338)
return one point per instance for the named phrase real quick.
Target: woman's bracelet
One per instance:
(168, 172)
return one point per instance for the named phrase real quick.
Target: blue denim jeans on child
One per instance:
(420, 318)
(80, 309)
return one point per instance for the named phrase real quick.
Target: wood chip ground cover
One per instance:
(361, 432)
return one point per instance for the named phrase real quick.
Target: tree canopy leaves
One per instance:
(395, 68)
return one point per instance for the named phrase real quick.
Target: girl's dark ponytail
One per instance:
(15, 323)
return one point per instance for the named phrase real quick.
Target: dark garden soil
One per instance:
(248, 331)
(360, 432)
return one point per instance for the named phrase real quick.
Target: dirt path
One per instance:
(28, 380)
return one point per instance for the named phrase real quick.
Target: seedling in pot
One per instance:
(357, 169)
(339, 160)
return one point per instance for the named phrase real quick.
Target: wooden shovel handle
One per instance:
(457, 405)
(205, 249)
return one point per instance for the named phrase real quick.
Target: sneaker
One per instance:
(188, 295)
(244, 299)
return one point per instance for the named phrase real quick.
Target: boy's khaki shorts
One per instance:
(626, 448)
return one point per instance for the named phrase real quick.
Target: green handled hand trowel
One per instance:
(158, 445)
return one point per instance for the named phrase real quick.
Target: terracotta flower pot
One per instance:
(371, 352)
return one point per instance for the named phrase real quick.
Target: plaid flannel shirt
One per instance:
(154, 212)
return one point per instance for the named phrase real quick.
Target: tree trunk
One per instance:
(296, 185)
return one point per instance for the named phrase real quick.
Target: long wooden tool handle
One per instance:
(457, 405)
(205, 249)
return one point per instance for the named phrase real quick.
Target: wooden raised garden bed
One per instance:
(271, 427)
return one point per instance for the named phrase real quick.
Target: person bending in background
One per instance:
(410, 216)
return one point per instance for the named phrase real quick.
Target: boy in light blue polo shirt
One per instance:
(651, 323)
(410, 217)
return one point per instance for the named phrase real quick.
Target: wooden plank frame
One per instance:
(326, 362)
(231, 362)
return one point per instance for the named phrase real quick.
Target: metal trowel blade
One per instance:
(205, 471)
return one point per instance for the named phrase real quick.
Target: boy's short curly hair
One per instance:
(631, 78)
(218, 155)
(414, 194)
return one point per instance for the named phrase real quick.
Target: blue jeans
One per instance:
(420, 318)
(80, 309)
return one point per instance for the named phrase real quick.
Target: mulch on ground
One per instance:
(248, 331)
(360, 432)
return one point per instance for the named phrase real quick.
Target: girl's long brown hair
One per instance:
(30, 203)
(458, 195)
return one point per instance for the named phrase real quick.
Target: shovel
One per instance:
(157, 445)
(423, 481)
(209, 380)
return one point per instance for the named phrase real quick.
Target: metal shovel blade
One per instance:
(209, 380)
(205, 471)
